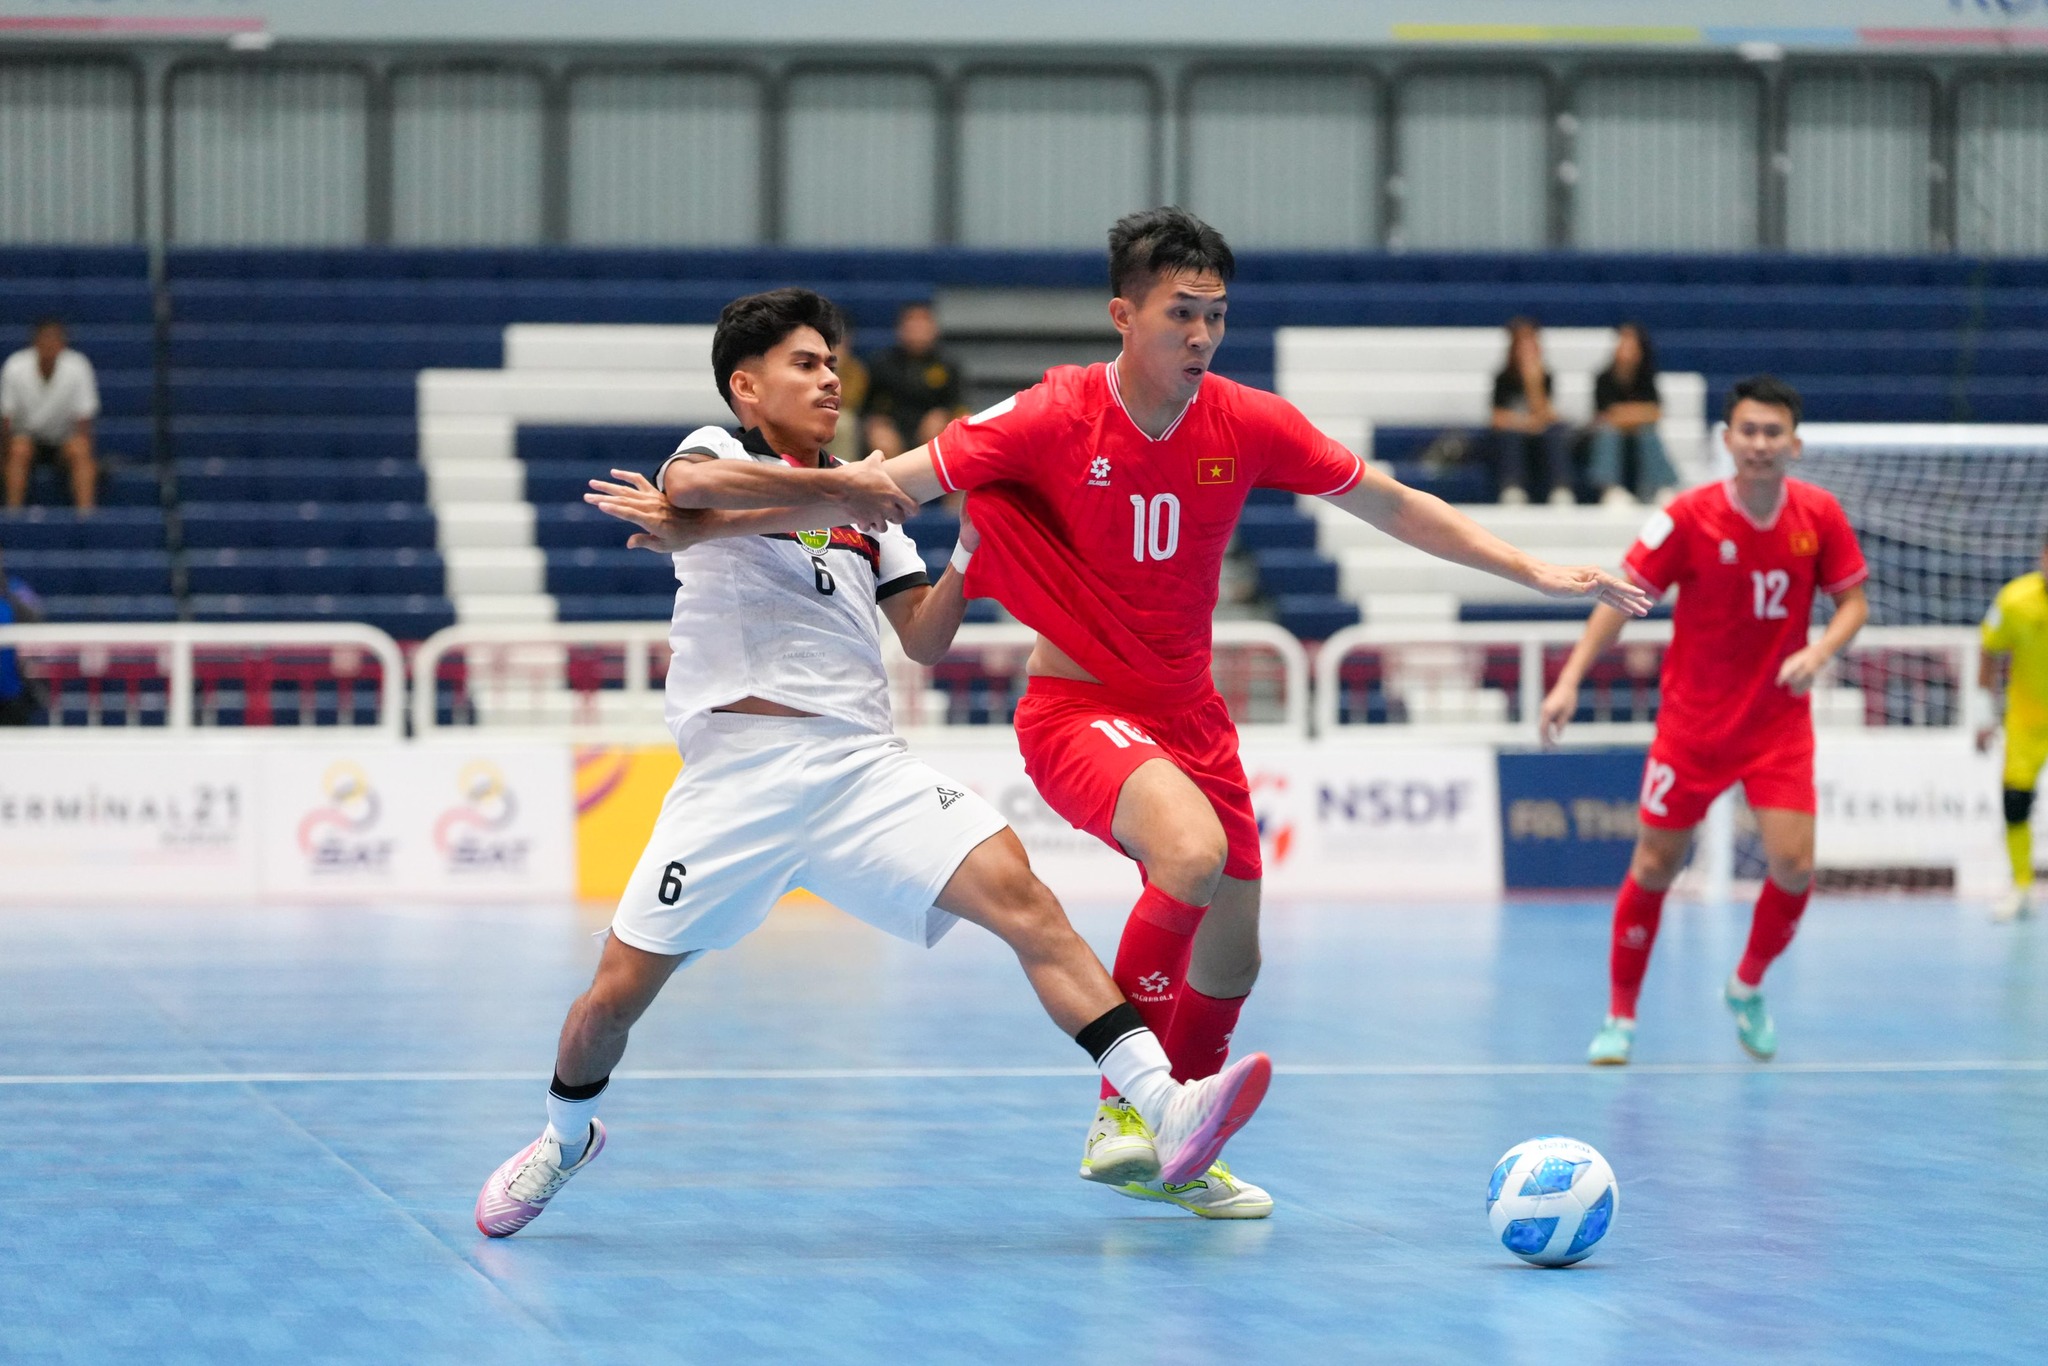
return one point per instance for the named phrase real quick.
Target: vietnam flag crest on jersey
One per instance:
(1216, 469)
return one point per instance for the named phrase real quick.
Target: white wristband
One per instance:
(961, 557)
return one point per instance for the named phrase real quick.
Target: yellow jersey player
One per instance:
(2017, 627)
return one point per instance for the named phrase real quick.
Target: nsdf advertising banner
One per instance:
(455, 822)
(117, 822)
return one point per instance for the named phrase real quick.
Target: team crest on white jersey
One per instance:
(1727, 552)
(1098, 472)
(814, 541)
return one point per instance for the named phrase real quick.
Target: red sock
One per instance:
(1198, 1039)
(1152, 957)
(1770, 929)
(1636, 913)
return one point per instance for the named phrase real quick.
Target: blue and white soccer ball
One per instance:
(1551, 1200)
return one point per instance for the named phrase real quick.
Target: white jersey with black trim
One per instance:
(790, 618)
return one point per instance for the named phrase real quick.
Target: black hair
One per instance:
(1164, 241)
(35, 329)
(916, 306)
(1764, 389)
(1523, 322)
(1648, 364)
(755, 325)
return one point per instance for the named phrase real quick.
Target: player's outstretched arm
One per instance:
(1428, 523)
(1561, 703)
(860, 494)
(927, 619)
(1852, 609)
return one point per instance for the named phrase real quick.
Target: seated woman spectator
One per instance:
(1526, 437)
(1626, 407)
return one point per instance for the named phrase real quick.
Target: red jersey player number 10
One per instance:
(1108, 541)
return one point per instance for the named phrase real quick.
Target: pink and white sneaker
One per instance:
(518, 1191)
(1204, 1114)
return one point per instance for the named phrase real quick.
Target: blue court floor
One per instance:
(256, 1135)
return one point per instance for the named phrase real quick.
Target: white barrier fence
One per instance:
(1374, 766)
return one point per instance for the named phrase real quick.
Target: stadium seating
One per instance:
(293, 399)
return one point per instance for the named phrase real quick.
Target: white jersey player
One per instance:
(792, 775)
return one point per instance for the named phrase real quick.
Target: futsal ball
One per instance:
(1551, 1200)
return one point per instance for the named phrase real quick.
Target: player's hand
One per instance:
(1800, 668)
(1985, 735)
(870, 497)
(969, 537)
(1560, 705)
(664, 527)
(1591, 581)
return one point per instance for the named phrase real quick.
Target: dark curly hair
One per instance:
(755, 325)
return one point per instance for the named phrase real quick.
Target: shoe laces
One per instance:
(538, 1178)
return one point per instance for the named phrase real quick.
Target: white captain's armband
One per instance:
(1657, 530)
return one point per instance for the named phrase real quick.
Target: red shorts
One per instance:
(1081, 743)
(1679, 784)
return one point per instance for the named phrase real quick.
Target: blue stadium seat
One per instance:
(1268, 527)
(568, 526)
(111, 607)
(1294, 573)
(48, 528)
(286, 346)
(590, 571)
(1315, 616)
(615, 607)
(641, 448)
(302, 438)
(407, 618)
(93, 573)
(214, 526)
(402, 572)
(219, 480)
(294, 393)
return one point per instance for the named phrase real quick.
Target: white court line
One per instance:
(1385, 1070)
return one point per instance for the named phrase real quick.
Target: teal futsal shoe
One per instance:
(1610, 1047)
(1753, 1027)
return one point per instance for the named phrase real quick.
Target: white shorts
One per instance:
(768, 804)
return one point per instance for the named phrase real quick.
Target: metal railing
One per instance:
(115, 679)
(1486, 682)
(598, 682)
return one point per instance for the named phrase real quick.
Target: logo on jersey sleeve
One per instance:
(1217, 469)
(1728, 551)
(1098, 472)
(1805, 542)
(947, 796)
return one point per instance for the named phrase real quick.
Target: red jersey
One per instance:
(1109, 542)
(1745, 603)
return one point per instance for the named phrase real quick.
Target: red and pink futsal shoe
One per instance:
(1204, 1114)
(518, 1191)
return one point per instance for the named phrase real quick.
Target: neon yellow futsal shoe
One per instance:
(1215, 1194)
(1120, 1148)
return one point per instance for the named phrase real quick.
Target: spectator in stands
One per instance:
(1527, 438)
(913, 388)
(1626, 408)
(17, 604)
(48, 400)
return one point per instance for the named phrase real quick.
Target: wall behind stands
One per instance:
(1422, 148)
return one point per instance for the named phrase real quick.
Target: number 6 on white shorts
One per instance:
(1657, 781)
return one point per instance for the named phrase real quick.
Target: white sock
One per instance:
(1136, 1066)
(569, 1125)
(1741, 990)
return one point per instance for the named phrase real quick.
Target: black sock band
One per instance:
(1109, 1029)
(2019, 805)
(562, 1090)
